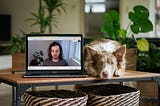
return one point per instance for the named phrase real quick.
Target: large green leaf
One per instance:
(142, 27)
(141, 11)
(140, 20)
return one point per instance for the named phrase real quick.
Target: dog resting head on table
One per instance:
(105, 58)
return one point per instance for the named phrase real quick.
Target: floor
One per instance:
(6, 95)
(148, 101)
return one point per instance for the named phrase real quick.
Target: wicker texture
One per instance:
(111, 95)
(55, 98)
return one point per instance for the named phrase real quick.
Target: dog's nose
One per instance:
(105, 75)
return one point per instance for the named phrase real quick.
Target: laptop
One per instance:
(54, 55)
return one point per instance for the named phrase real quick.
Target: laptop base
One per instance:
(55, 76)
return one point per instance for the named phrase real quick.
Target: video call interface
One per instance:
(38, 52)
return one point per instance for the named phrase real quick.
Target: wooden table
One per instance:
(22, 84)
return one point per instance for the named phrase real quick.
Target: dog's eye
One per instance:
(100, 63)
(110, 61)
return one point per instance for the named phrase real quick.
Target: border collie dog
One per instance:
(105, 58)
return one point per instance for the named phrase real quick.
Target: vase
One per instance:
(131, 61)
(18, 62)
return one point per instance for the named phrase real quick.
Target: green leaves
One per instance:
(53, 7)
(140, 20)
(56, 5)
(40, 19)
(47, 18)
(122, 33)
(149, 60)
(18, 43)
(140, 23)
(111, 24)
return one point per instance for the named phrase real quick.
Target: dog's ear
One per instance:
(91, 51)
(120, 53)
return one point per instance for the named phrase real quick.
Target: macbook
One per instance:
(54, 55)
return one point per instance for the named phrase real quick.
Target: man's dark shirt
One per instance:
(49, 62)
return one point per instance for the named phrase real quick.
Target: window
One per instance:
(78, 51)
(94, 10)
(94, 6)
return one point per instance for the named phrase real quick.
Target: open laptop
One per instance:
(44, 58)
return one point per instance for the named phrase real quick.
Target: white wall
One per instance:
(5, 62)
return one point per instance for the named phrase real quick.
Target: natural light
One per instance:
(78, 51)
(95, 6)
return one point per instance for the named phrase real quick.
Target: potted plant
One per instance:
(18, 52)
(47, 14)
(149, 60)
(146, 52)
(139, 23)
(44, 20)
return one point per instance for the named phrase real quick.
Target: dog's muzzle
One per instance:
(105, 75)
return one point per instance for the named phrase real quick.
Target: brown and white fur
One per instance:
(105, 58)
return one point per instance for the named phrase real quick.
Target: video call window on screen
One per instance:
(38, 48)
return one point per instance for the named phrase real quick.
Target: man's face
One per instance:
(55, 51)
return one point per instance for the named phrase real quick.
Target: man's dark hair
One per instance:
(60, 47)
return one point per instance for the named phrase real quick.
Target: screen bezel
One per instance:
(54, 71)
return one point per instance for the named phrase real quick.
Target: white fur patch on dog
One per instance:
(102, 46)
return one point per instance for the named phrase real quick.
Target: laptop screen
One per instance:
(52, 53)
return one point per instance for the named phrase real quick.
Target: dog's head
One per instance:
(106, 63)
